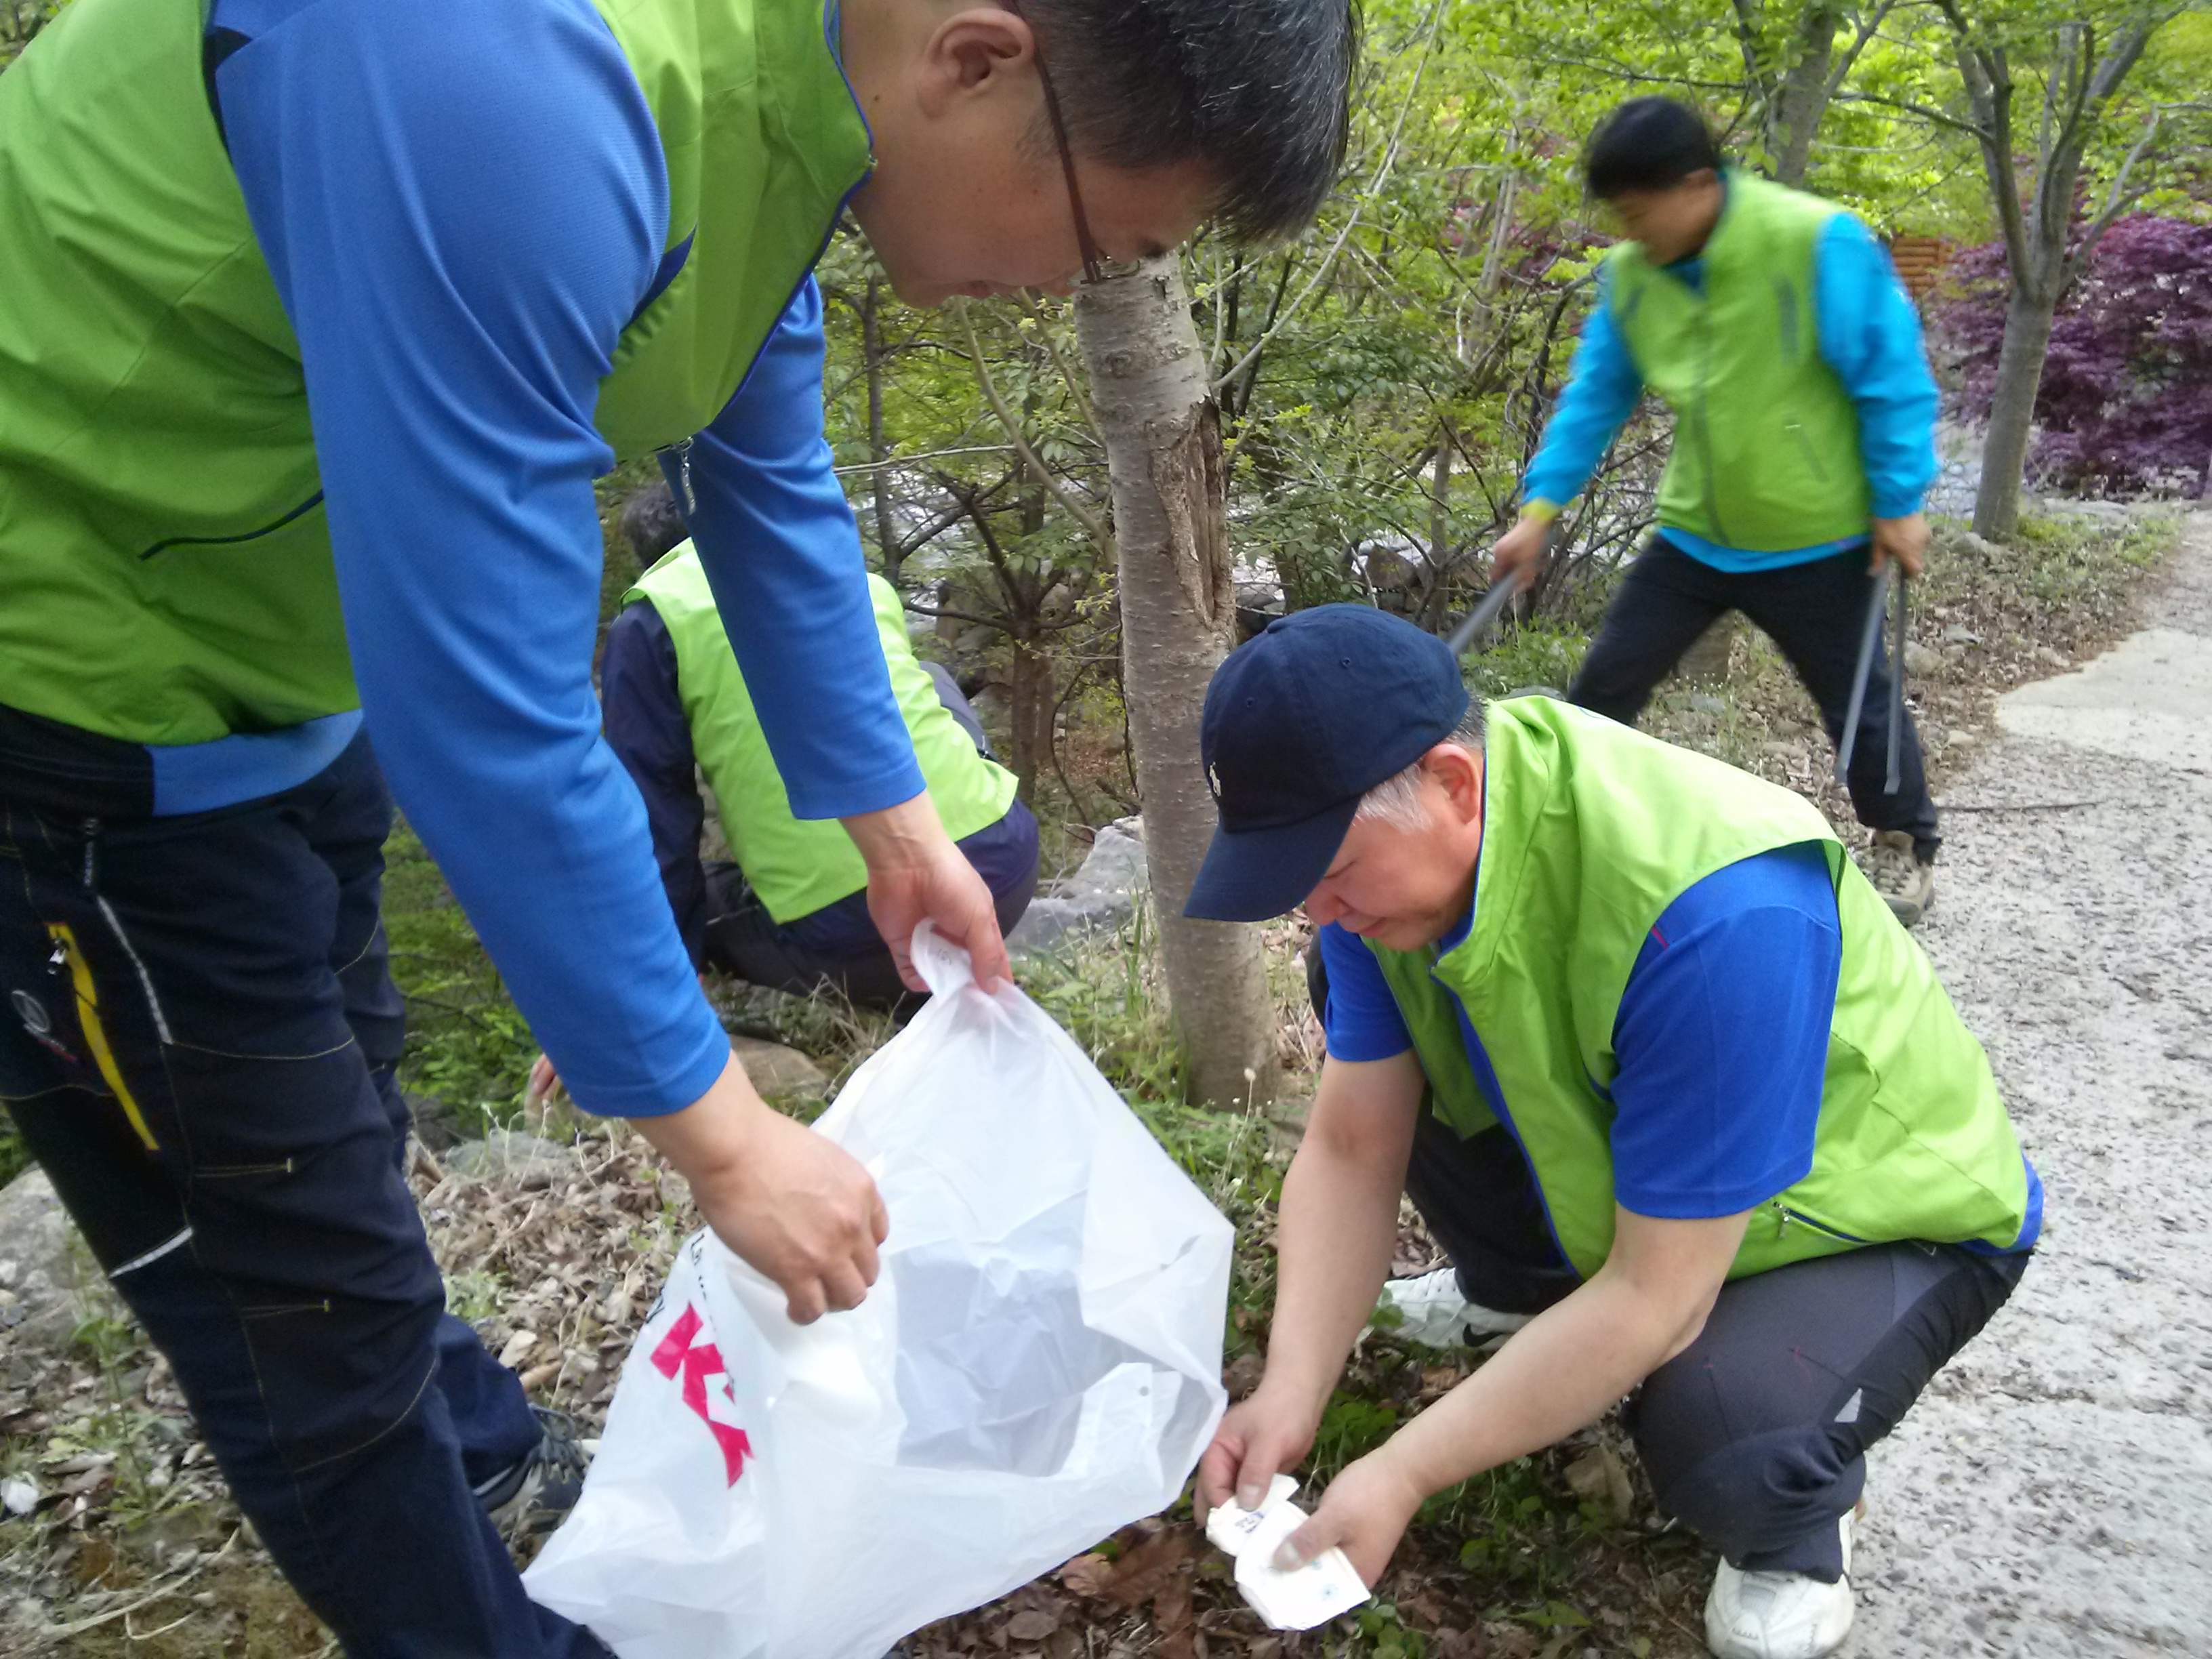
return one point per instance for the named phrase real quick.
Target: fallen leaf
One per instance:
(518, 1348)
(1171, 1610)
(1088, 1574)
(1033, 1624)
(1144, 1570)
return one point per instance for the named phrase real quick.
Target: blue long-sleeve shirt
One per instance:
(1869, 333)
(462, 207)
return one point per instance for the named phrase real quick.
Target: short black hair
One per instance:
(650, 523)
(1258, 92)
(1648, 143)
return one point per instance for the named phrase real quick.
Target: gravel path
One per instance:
(2051, 1495)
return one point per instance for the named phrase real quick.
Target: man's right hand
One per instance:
(1263, 1437)
(795, 1206)
(1519, 554)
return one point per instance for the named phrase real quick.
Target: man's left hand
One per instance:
(1364, 1512)
(914, 871)
(1903, 539)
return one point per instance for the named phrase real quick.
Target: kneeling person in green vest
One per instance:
(791, 911)
(1680, 1098)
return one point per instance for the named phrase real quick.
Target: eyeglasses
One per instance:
(1097, 267)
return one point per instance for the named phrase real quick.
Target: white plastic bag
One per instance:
(1039, 1364)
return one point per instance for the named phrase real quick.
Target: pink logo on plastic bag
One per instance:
(680, 1351)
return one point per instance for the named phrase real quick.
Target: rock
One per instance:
(507, 1153)
(1096, 901)
(49, 1268)
(1598, 1477)
(19, 1495)
(437, 1125)
(1959, 634)
(1705, 702)
(777, 1070)
(1920, 659)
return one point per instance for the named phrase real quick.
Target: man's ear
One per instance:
(966, 51)
(1458, 773)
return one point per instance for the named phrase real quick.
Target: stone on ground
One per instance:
(1094, 902)
(42, 1267)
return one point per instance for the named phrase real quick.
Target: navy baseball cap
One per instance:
(1300, 723)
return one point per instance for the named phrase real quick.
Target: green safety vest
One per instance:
(164, 557)
(798, 864)
(1590, 831)
(1766, 440)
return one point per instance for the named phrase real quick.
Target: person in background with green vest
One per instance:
(1683, 1103)
(1773, 327)
(318, 320)
(791, 912)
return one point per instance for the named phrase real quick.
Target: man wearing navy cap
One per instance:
(1670, 1083)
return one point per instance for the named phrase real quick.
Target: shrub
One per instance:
(2125, 406)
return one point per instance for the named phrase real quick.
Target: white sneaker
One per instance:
(1431, 1312)
(1779, 1615)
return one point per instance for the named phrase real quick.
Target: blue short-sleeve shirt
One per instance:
(1722, 1036)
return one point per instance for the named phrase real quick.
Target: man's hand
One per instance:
(1519, 554)
(1263, 1437)
(1364, 1512)
(1903, 539)
(915, 872)
(791, 1204)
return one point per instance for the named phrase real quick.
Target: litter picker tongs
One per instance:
(1475, 627)
(1481, 620)
(1876, 610)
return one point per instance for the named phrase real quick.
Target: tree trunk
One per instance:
(871, 349)
(2012, 412)
(1178, 620)
(1801, 99)
(1032, 702)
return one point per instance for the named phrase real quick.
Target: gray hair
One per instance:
(1257, 91)
(1397, 800)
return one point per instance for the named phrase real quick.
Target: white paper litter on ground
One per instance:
(1298, 1600)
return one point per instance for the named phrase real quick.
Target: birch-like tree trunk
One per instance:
(1149, 384)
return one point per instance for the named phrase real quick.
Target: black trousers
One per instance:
(1814, 612)
(1755, 1435)
(198, 1047)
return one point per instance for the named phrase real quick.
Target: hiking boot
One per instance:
(1906, 881)
(1779, 1615)
(1432, 1311)
(537, 1494)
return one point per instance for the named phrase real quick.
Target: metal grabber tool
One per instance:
(1478, 622)
(1877, 609)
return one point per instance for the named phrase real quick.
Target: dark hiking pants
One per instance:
(1755, 1435)
(199, 1049)
(1815, 613)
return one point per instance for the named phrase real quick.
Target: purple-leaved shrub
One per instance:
(2125, 406)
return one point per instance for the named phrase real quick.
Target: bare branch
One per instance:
(1366, 196)
(1092, 524)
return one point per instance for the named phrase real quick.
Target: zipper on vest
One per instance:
(1812, 456)
(1704, 421)
(269, 529)
(1784, 1216)
(676, 462)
